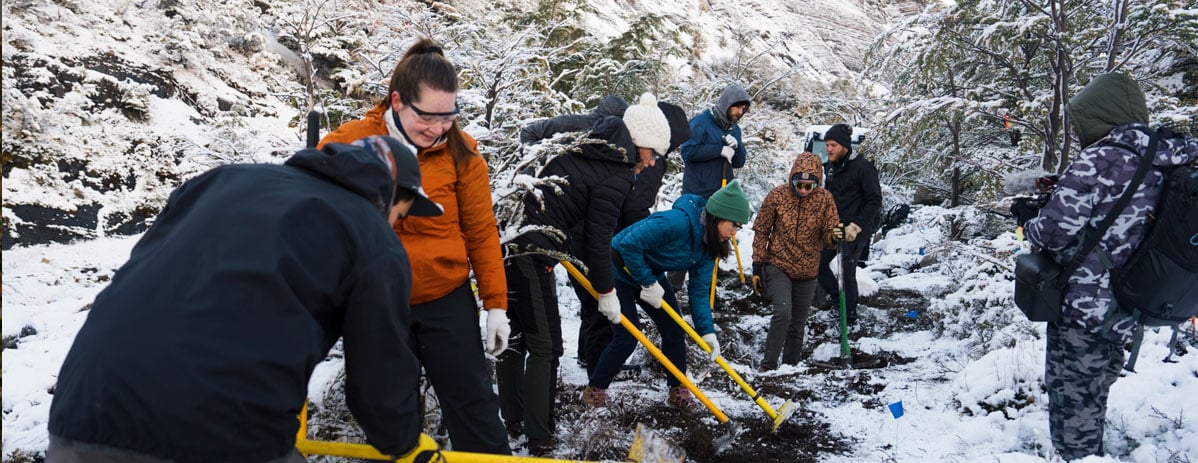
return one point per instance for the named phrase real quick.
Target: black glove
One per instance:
(1023, 210)
(758, 278)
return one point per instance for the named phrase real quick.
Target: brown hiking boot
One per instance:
(540, 447)
(681, 398)
(594, 397)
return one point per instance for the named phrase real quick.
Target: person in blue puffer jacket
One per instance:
(690, 236)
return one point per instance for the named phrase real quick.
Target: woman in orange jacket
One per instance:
(421, 109)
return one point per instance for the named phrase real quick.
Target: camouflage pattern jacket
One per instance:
(1085, 195)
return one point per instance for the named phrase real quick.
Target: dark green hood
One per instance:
(1108, 101)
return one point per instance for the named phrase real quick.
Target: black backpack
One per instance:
(1159, 282)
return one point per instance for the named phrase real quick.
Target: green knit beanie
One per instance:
(729, 203)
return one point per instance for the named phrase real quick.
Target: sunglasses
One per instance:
(430, 118)
(801, 185)
(737, 226)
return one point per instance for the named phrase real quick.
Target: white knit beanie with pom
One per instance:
(648, 125)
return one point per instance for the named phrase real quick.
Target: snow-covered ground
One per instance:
(971, 393)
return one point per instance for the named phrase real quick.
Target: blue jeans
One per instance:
(673, 338)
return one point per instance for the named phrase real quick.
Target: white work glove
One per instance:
(497, 331)
(609, 306)
(727, 152)
(850, 231)
(652, 294)
(715, 344)
(730, 140)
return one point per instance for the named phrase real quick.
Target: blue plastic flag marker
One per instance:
(896, 409)
(912, 314)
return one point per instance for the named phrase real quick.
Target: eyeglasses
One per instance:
(431, 117)
(737, 226)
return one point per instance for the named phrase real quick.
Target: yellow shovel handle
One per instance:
(720, 361)
(636, 333)
(368, 452)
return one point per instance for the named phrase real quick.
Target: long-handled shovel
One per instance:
(845, 353)
(731, 432)
(740, 268)
(778, 416)
(368, 452)
(647, 446)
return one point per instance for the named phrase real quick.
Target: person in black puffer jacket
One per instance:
(599, 174)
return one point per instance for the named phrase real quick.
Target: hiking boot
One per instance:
(681, 398)
(594, 397)
(514, 427)
(540, 447)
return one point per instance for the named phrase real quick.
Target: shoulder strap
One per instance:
(1093, 238)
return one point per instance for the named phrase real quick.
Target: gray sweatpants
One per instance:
(1079, 369)
(792, 305)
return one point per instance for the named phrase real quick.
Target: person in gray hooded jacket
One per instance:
(1085, 346)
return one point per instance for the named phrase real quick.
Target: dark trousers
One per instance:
(446, 338)
(1079, 369)
(595, 331)
(673, 338)
(827, 278)
(527, 371)
(788, 325)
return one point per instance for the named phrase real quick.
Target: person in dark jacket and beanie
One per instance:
(540, 130)
(598, 176)
(794, 224)
(688, 237)
(854, 184)
(1085, 346)
(201, 348)
(594, 333)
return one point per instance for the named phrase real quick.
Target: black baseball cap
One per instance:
(405, 169)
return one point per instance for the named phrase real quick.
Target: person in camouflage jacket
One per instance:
(1085, 346)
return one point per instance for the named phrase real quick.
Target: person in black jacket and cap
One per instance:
(201, 348)
(598, 173)
(854, 185)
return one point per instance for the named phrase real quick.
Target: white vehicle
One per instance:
(814, 139)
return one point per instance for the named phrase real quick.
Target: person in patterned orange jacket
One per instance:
(421, 109)
(795, 223)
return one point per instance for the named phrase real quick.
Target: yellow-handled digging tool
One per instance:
(636, 333)
(644, 441)
(740, 268)
(778, 416)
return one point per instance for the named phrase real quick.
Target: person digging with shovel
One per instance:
(690, 236)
